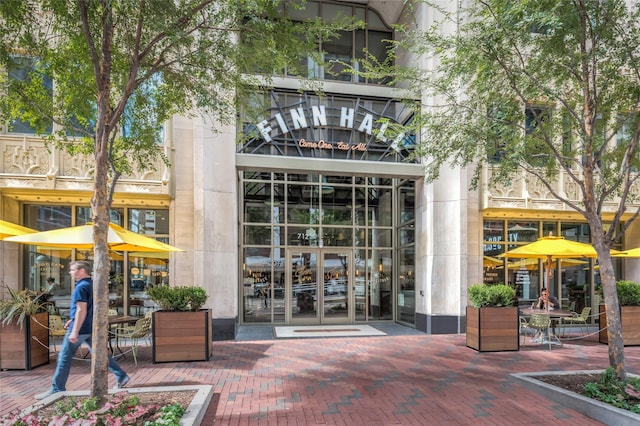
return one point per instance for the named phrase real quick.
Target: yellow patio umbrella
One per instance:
(81, 237)
(532, 263)
(629, 253)
(489, 262)
(551, 248)
(8, 229)
(149, 255)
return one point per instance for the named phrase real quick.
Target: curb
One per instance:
(193, 415)
(597, 410)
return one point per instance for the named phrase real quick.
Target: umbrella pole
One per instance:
(548, 279)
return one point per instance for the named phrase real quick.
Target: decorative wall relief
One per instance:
(26, 159)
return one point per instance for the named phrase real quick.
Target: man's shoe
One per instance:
(122, 383)
(43, 395)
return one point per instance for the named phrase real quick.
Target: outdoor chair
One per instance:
(541, 323)
(581, 319)
(524, 329)
(140, 331)
(56, 329)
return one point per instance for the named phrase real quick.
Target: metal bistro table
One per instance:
(554, 314)
(118, 320)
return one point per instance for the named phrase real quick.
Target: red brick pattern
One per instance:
(390, 380)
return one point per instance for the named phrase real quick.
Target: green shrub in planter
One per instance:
(628, 293)
(180, 298)
(484, 295)
(20, 304)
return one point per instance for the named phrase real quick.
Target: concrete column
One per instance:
(204, 214)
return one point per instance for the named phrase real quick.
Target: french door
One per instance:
(319, 286)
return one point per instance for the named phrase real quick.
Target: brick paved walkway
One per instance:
(390, 380)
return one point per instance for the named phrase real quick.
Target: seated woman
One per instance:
(545, 300)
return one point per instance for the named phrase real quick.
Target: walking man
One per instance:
(79, 328)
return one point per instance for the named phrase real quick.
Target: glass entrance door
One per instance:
(319, 286)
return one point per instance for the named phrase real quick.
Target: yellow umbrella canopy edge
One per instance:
(9, 229)
(133, 240)
(81, 237)
(556, 247)
(628, 253)
(532, 263)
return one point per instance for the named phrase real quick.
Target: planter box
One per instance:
(182, 336)
(26, 348)
(630, 319)
(493, 329)
(193, 416)
(592, 408)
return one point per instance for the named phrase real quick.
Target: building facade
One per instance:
(316, 217)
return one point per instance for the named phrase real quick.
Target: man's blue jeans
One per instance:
(65, 357)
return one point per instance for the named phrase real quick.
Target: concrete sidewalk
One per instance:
(404, 378)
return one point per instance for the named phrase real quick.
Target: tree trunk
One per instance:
(101, 268)
(608, 281)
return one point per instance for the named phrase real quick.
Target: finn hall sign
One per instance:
(302, 118)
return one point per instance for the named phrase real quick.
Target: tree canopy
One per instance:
(545, 89)
(106, 75)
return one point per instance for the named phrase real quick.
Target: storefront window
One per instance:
(263, 288)
(322, 213)
(573, 281)
(47, 269)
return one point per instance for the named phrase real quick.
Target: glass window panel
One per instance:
(407, 196)
(407, 235)
(380, 292)
(522, 231)
(379, 181)
(259, 234)
(337, 207)
(338, 52)
(303, 235)
(360, 238)
(380, 237)
(380, 207)
(23, 69)
(549, 228)
(279, 236)
(523, 273)
(576, 232)
(332, 12)
(46, 218)
(309, 11)
(84, 216)
(493, 233)
(406, 301)
(360, 285)
(149, 221)
(375, 21)
(337, 237)
(303, 204)
(256, 212)
(256, 282)
(145, 272)
(47, 270)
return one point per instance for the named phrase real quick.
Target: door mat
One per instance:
(326, 331)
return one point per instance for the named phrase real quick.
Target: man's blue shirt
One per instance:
(83, 292)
